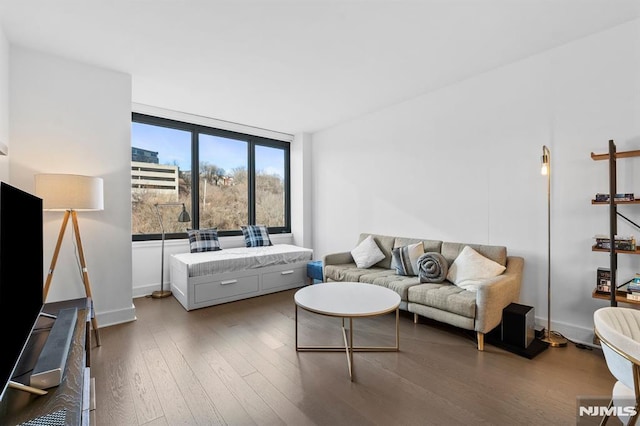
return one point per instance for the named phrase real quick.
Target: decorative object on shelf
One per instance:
(552, 338)
(603, 280)
(633, 288)
(183, 217)
(70, 193)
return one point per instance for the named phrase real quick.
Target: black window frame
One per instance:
(252, 141)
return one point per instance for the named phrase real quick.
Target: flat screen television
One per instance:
(21, 274)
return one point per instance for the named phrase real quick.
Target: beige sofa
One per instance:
(479, 310)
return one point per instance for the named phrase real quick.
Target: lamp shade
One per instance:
(70, 192)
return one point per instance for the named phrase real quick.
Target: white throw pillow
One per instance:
(367, 253)
(471, 265)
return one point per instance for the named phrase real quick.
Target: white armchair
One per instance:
(619, 332)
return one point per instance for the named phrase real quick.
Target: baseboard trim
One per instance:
(120, 316)
(572, 332)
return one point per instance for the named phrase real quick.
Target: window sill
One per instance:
(225, 242)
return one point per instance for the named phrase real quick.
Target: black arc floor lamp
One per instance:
(183, 217)
(552, 338)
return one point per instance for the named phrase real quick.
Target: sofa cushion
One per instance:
(367, 253)
(350, 272)
(385, 243)
(405, 258)
(398, 283)
(446, 297)
(471, 265)
(375, 273)
(498, 254)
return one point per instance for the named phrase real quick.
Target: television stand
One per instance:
(72, 395)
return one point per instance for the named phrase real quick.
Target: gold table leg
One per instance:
(348, 347)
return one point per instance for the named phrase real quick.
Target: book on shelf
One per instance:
(633, 296)
(633, 286)
(621, 242)
(603, 198)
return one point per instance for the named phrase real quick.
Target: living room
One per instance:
(456, 158)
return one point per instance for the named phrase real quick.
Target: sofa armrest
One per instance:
(337, 258)
(497, 293)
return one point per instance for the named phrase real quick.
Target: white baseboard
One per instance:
(572, 332)
(120, 316)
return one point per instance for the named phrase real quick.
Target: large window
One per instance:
(225, 179)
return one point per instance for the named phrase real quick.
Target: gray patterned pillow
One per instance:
(405, 258)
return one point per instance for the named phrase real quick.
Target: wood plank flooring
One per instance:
(236, 364)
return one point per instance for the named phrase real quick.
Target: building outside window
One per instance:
(239, 179)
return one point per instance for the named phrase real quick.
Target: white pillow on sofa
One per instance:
(367, 253)
(471, 265)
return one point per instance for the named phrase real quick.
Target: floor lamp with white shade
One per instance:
(182, 217)
(554, 339)
(71, 194)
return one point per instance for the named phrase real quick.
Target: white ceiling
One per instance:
(300, 65)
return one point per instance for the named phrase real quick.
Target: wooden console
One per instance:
(70, 399)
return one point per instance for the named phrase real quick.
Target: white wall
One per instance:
(69, 117)
(4, 104)
(463, 164)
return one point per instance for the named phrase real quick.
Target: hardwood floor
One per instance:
(236, 364)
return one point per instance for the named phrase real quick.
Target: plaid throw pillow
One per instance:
(201, 240)
(256, 236)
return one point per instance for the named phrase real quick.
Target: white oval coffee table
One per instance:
(348, 300)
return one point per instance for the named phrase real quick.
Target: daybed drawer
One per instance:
(283, 278)
(226, 288)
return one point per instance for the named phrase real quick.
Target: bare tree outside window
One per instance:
(270, 190)
(224, 191)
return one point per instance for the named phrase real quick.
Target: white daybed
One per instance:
(213, 277)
